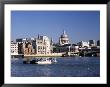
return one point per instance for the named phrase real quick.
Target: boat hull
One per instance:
(44, 62)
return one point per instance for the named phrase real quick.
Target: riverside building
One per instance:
(21, 42)
(39, 45)
(66, 48)
(29, 46)
(14, 48)
(83, 44)
(91, 43)
(26, 45)
(43, 45)
(98, 43)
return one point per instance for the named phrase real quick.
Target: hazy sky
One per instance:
(79, 25)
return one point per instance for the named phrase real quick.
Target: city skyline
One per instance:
(79, 25)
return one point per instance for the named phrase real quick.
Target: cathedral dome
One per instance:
(64, 35)
(64, 39)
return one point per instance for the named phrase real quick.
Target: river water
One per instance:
(65, 67)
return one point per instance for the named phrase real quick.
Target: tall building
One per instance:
(20, 42)
(98, 43)
(43, 45)
(51, 45)
(14, 48)
(64, 39)
(91, 43)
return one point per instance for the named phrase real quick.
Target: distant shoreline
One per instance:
(42, 55)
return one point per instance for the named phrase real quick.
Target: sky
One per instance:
(79, 25)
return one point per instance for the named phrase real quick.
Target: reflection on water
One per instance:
(65, 67)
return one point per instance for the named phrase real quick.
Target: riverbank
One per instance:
(44, 55)
(59, 55)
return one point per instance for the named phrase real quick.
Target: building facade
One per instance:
(20, 42)
(14, 48)
(66, 48)
(43, 45)
(83, 44)
(98, 43)
(91, 43)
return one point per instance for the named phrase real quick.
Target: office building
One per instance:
(14, 48)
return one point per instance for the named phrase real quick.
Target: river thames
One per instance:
(65, 67)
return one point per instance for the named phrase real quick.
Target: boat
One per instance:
(55, 60)
(41, 61)
(46, 61)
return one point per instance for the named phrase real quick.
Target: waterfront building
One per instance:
(20, 48)
(96, 49)
(26, 45)
(83, 44)
(61, 48)
(64, 39)
(65, 48)
(20, 42)
(43, 45)
(14, 48)
(28, 48)
(98, 43)
(91, 43)
(75, 48)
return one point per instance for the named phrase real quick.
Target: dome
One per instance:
(64, 35)
(64, 39)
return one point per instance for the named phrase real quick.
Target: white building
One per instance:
(43, 45)
(14, 48)
(83, 44)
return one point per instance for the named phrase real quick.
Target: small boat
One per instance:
(41, 61)
(55, 60)
(46, 61)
